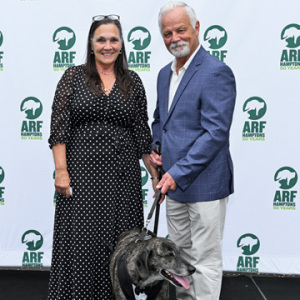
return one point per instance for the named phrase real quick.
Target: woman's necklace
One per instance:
(104, 89)
(105, 73)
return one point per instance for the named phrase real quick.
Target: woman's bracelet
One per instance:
(154, 178)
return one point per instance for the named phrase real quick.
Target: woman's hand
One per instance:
(62, 182)
(155, 160)
(62, 178)
(155, 182)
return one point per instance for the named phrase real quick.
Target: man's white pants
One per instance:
(197, 228)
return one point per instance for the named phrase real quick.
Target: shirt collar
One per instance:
(188, 62)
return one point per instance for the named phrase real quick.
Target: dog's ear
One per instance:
(142, 264)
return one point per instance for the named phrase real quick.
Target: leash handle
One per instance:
(157, 149)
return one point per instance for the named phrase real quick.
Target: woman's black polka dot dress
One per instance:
(105, 137)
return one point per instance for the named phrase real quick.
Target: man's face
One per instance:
(180, 38)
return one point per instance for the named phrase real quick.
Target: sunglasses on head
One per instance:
(101, 17)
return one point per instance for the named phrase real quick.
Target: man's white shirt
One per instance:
(176, 78)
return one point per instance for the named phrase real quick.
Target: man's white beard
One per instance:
(182, 50)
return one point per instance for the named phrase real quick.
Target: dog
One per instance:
(141, 268)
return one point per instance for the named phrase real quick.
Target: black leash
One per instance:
(157, 149)
(144, 232)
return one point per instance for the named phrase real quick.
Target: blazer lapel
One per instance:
(164, 89)
(189, 73)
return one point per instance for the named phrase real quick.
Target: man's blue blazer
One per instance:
(194, 134)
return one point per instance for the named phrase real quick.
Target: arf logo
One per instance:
(33, 240)
(139, 60)
(249, 245)
(140, 37)
(32, 107)
(290, 58)
(287, 177)
(64, 37)
(256, 107)
(1, 38)
(2, 174)
(253, 130)
(284, 198)
(31, 128)
(291, 35)
(216, 36)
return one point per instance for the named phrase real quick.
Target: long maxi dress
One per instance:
(105, 137)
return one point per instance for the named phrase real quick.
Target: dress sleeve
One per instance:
(60, 118)
(141, 128)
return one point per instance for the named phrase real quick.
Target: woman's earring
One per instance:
(92, 52)
(120, 52)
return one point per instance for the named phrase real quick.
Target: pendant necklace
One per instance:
(105, 89)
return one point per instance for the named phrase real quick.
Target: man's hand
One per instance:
(167, 183)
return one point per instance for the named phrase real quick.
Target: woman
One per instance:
(99, 131)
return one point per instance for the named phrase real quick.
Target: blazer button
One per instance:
(165, 130)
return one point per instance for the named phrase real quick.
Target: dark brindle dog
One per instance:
(143, 269)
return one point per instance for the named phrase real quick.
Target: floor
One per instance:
(32, 285)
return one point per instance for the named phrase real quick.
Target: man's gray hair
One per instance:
(173, 4)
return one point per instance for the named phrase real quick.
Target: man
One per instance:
(192, 119)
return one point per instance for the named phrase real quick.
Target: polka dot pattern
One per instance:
(105, 137)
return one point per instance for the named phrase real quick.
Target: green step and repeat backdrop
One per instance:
(259, 40)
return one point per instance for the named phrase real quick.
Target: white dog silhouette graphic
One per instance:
(254, 105)
(248, 241)
(215, 34)
(292, 32)
(285, 175)
(64, 35)
(31, 105)
(138, 35)
(32, 237)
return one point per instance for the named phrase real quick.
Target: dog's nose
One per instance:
(191, 269)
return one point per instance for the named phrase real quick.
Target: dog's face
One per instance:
(160, 259)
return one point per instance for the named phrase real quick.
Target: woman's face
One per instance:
(106, 44)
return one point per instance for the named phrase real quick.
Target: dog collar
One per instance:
(130, 291)
(144, 236)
